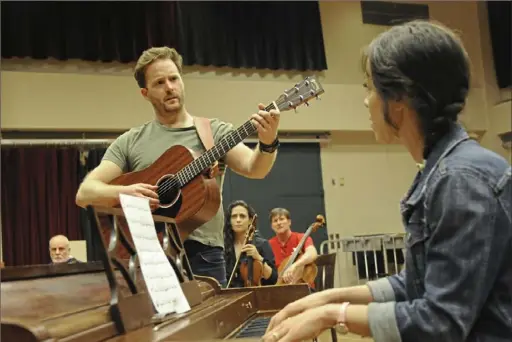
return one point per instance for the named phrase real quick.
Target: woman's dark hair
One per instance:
(426, 65)
(229, 236)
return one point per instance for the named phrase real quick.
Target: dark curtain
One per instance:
(239, 34)
(295, 183)
(499, 14)
(89, 161)
(38, 201)
(252, 34)
(88, 30)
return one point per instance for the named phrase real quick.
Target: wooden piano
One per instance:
(108, 301)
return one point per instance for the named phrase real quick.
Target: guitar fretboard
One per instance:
(218, 151)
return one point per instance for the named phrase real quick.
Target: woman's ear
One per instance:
(398, 110)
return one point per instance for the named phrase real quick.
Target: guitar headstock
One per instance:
(319, 222)
(300, 94)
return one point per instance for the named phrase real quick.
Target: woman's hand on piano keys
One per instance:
(312, 301)
(304, 326)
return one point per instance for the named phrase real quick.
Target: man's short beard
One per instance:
(174, 110)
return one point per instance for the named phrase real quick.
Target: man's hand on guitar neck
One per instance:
(256, 163)
(266, 123)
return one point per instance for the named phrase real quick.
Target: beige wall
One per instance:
(78, 249)
(94, 96)
(83, 96)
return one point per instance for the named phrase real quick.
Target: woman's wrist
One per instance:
(331, 314)
(354, 294)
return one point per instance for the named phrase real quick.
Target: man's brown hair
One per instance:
(279, 212)
(151, 55)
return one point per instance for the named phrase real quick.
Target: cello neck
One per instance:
(298, 249)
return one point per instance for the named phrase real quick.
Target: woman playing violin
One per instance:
(239, 216)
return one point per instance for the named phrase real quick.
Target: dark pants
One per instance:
(206, 261)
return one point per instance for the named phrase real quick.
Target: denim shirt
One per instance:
(457, 281)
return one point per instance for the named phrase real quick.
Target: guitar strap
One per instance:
(204, 130)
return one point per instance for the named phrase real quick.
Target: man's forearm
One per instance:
(307, 258)
(94, 192)
(261, 163)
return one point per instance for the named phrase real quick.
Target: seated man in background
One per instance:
(284, 244)
(60, 250)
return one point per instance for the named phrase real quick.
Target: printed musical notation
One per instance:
(161, 280)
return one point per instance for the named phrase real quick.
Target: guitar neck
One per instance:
(218, 151)
(297, 250)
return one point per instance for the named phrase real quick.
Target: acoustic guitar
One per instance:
(310, 271)
(186, 193)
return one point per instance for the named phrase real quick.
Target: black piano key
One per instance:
(254, 328)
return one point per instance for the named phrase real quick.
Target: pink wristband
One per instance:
(342, 318)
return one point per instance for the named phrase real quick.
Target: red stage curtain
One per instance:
(38, 201)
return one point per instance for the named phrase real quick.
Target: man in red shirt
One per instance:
(285, 242)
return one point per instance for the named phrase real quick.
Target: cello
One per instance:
(251, 270)
(310, 271)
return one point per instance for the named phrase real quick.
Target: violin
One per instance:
(251, 270)
(310, 271)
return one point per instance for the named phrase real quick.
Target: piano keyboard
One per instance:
(254, 328)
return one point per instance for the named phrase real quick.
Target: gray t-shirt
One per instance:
(141, 146)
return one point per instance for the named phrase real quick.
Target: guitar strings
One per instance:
(172, 182)
(192, 168)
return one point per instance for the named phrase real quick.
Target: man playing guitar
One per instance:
(159, 76)
(284, 244)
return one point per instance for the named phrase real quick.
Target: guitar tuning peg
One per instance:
(295, 109)
(306, 103)
(318, 98)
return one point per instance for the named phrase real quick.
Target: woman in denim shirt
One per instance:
(457, 281)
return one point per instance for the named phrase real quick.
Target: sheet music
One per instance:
(161, 280)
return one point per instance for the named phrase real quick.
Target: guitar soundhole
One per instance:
(168, 191)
